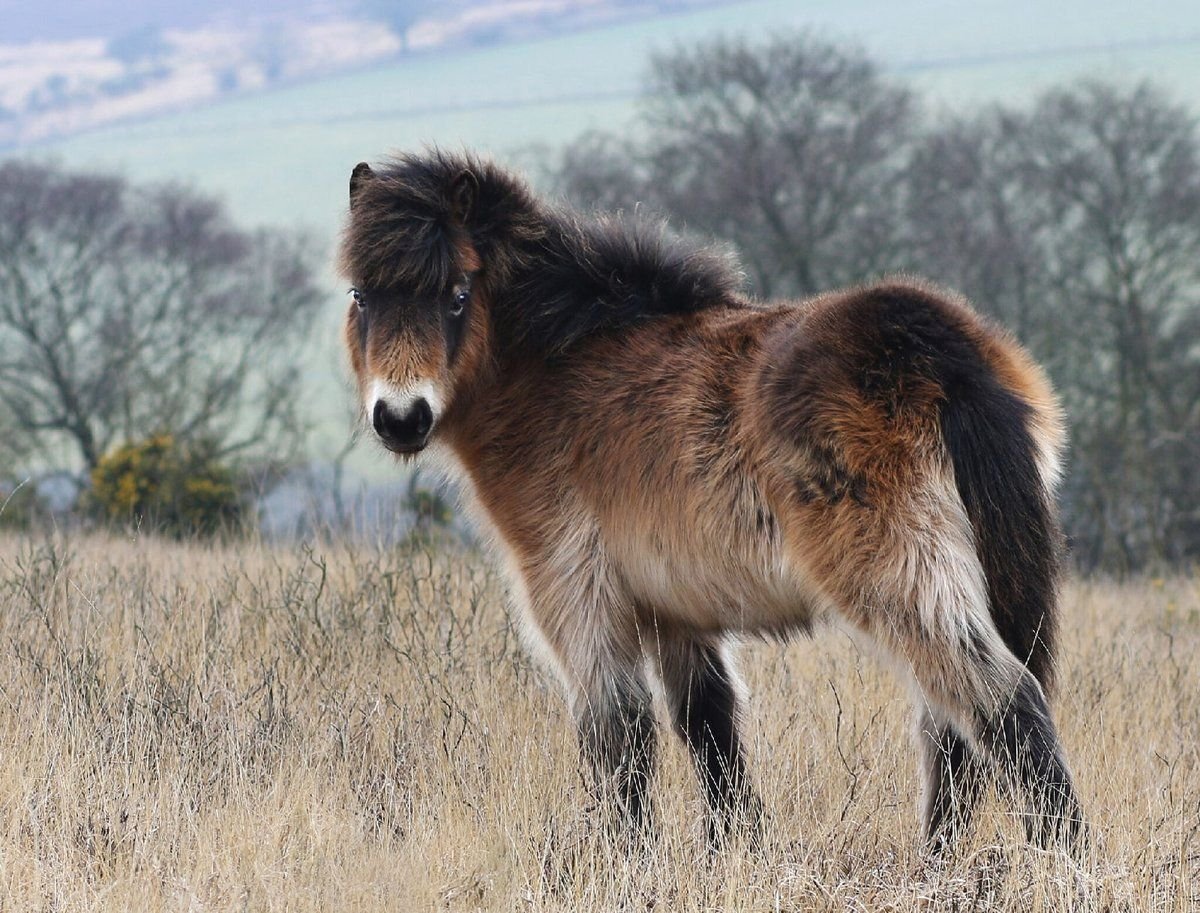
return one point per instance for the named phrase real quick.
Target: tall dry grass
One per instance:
(333, 728)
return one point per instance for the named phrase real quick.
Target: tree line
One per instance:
(140, 325)
(153, 357)
(1073, 220)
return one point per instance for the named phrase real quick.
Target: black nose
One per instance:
(405, 433)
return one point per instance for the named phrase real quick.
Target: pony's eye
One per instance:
(459, 303)
(358, 298)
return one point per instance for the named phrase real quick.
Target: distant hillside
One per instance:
(66, 70)
(279, 155)
(69, 20)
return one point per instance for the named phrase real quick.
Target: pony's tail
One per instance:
(993, 435)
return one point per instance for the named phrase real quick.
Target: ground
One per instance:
(335, 727)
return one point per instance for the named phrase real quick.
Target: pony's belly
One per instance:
(710, 592)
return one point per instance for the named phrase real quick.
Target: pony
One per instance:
(665, 465)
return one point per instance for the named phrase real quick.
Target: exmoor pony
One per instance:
(665, 465)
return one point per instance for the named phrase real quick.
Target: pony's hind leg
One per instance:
(954, 774)
(1021, 736)
(995, 701)
(703, 696)
(918, 587)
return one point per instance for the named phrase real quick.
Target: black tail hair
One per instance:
(986, 429)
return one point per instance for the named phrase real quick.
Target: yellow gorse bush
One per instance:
(167, 486)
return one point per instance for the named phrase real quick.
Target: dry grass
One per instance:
(254, 728)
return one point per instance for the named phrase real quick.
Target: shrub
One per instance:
(433, 514)
(21, 507)
(166, 486)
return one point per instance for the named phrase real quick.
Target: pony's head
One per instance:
(428, 242)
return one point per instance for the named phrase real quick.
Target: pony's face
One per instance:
(415, 316)
(404, 347)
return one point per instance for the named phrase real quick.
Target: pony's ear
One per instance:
(464, 191)
(359, 177)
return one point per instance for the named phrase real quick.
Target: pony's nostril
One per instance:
(379, 417)
(422, 416)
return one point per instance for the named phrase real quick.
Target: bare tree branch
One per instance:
(128, 310)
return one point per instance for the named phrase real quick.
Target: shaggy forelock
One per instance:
(403, 233)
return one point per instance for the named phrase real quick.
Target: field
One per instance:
(332, 728)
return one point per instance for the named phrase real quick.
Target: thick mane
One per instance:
(555, 275)
(603, 273)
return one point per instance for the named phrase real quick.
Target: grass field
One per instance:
(334, 728)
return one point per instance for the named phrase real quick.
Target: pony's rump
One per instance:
(995, 423)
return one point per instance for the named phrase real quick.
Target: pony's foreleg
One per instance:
(702, 692)
(593, 637)
(616, 736)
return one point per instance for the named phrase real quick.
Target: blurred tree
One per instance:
(401, 15)
(1119, 169)
(127, 309)
(14, 445)
(1077, 223)
(792, 149)
(603, 171)
(973, 225)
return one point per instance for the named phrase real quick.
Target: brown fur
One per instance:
(663, 463)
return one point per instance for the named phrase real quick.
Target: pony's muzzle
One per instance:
(403, 433)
